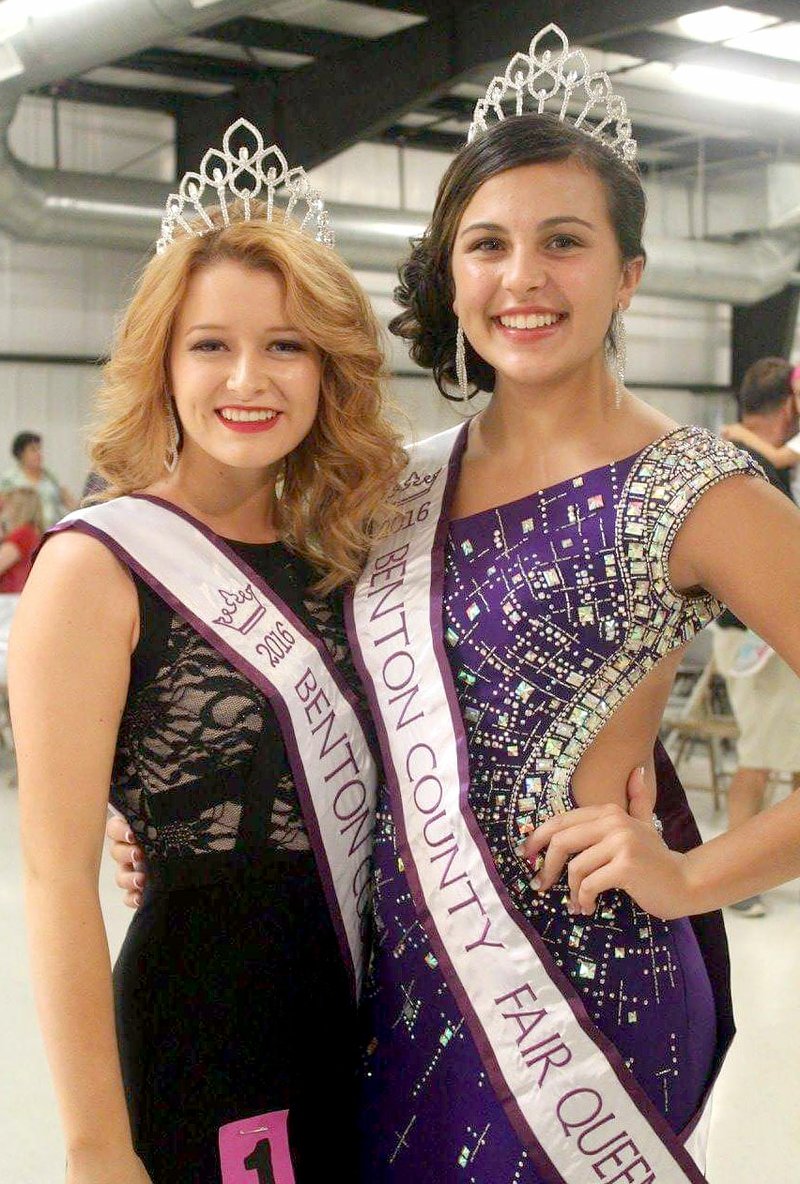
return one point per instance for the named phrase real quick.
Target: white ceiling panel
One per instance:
(417, 119)
(779, 41)
(141, 80)
(339, 16)
(278, 59)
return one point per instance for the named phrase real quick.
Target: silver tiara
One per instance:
(545, 76)
(244, 174)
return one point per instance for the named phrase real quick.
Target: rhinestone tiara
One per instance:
(547, 75)
(244, 173)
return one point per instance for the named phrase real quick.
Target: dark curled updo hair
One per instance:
(425, 292)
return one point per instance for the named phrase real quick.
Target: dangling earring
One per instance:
(171, 459)
(461, 364)
(617, 353)
(621, 341)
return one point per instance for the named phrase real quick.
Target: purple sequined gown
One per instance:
(555, 606)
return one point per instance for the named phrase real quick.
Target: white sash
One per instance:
(563, 1085)
(230, 605)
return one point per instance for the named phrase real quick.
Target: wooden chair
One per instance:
(699, 720)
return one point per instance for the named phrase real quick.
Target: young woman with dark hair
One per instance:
(542, 1006)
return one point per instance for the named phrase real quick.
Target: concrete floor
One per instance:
(755, 1134)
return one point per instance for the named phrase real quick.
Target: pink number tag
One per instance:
(256, 1150)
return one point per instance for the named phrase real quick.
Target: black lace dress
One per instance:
(231, 995)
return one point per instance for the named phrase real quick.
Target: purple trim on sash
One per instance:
(260, 681)
(625, 1077)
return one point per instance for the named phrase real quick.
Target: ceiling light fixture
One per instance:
(722, 23)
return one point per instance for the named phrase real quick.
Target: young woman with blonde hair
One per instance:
(182, 642)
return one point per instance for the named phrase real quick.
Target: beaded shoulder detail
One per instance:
(663, 486)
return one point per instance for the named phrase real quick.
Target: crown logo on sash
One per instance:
(241, 610)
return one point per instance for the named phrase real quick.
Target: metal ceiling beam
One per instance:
(194, 67)
(428, 8)
(504, 27)
(80, 91)
(419, 137)
(661, 47)
(320, 109)
(264, 34)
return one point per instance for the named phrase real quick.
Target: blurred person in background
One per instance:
(785, 379)
(764, 692)
(28, 472)
(22, 527)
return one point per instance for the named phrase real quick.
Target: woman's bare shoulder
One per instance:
(73, 553)
(78, 577)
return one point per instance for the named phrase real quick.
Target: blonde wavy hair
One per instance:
(334, 489)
